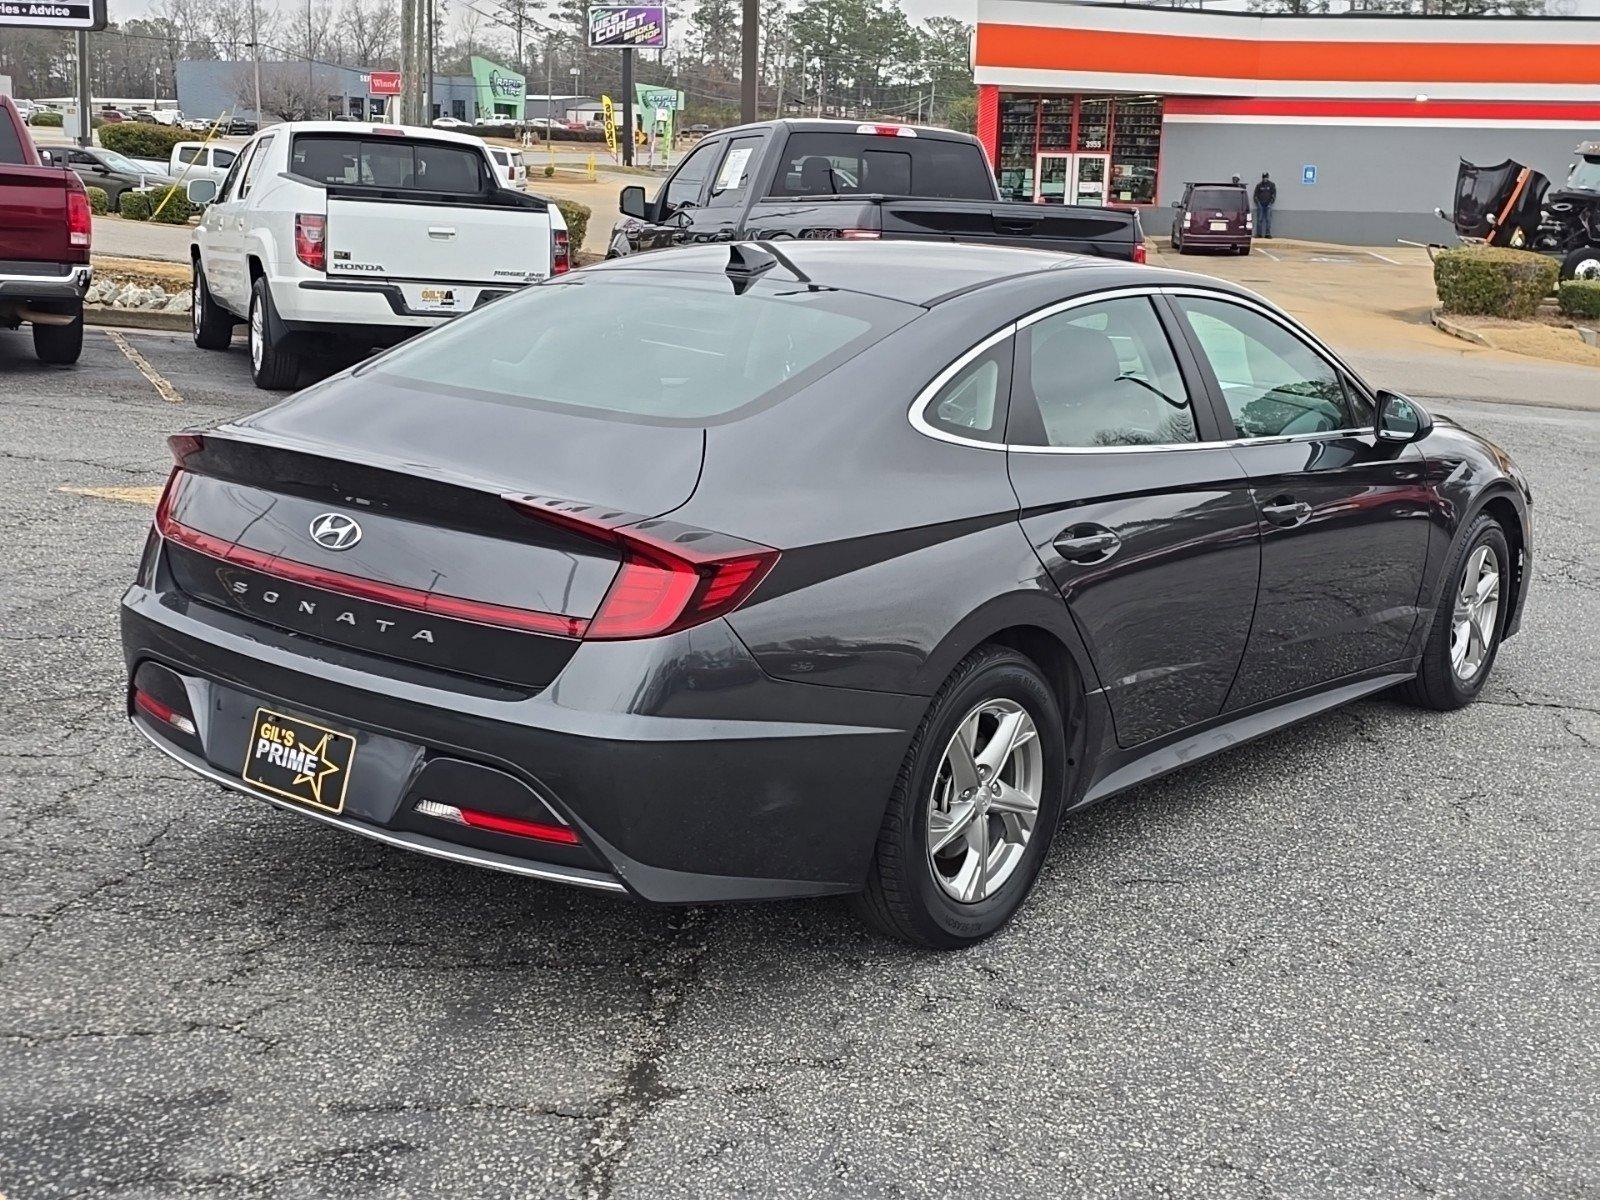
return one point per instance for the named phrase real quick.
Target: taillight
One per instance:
(671, 577)
(474, 818)
(1138, 252)
(78, 222)
(888, 130)
(165, 713)
(860, 235)
(310, 240)
(560, 252)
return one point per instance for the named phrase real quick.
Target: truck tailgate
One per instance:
(386, 240)
(1104, 231)
(33, 215)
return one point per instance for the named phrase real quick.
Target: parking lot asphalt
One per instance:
(1357, 958)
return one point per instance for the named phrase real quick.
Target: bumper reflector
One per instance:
(494, 823)
(157, 711)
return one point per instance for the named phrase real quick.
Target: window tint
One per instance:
(225, 189)
(971, 403)
(837, 164)
(685, 187)
(680, 351)
(337, 159)
(222, 158)
(733, 172)
(1275, 384)
(1101, 375)
(1218, 199)
(253, 167)
(10, 143)
(189, 154)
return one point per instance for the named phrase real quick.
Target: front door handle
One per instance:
(1087, 544)
(1286, 511)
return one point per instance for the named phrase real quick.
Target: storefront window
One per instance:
(1094, 124)
(1079, 149)
(1019, 127)
(1136, 146)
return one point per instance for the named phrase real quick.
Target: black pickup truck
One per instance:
(848, 179)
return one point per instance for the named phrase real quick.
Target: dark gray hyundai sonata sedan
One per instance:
(808, 568)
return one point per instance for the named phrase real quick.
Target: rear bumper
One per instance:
(52, 283)
(689, 774)
(1215, 241)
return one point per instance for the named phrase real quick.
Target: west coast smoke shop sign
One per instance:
(53, 14)
(501, 91)
(628, 26)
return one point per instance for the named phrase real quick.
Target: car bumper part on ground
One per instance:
(738, 797)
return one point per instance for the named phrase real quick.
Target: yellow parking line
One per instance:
(163, 389)
(127, 495)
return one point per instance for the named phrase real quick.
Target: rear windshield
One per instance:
(841, 164)
(340, 159)
(646, 345)
(1218, 199)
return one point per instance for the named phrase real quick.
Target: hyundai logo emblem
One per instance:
(335, 531)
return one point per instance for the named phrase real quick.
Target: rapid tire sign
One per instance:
(53, 14)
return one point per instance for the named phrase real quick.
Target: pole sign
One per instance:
(624, 26)
(53, 14)
(383, 83)
(658, 97)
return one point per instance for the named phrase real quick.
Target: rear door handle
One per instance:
(1087, 544)
(442, 233)
(1286, 511)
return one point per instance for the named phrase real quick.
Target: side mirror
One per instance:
(633, 204)
(1491, 220)
(1177, 204)
(47, 158)
(1441, 214)
(201, 191)
(1401, 420)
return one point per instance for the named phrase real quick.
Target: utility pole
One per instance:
(255, 55)
(749, 66)
(85, 116)
(427, 99)
(627, 106)
(408, 62)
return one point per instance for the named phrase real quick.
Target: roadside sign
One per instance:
(658, 98)
(624, 26)
(383, 83)
(53, 14)
(1308, 174)
(608, 113)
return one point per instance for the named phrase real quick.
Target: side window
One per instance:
(1274, 383)
(685, 187)
(971, 404)
(253, 168)
(733, 173)
(1099, 375)
(189, 154)
(225, 190)
(222, 159)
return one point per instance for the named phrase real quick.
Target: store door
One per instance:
(1090, 175)
(1050, 175)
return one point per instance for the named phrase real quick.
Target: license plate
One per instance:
(439, 300)
(298, 760)
(1219, 227)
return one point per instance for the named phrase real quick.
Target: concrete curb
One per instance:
(1591, 336)
(1445, 325)
(135, 318)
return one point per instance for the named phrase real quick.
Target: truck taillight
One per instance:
(1138, 252)
(860, 235)
(311, 240)
(560, 252)
(887, 130)
(78, 223)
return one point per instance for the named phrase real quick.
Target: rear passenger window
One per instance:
(971, 404)
(1099, 375)
(733, 173)
(189, 154)
(253, 167)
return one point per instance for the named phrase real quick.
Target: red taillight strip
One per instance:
(478, 611)
(152, 707)
(475, 819)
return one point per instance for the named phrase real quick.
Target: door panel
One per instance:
(1344, 518)
(1150, 535)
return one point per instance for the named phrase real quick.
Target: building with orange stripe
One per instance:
(1359, 118)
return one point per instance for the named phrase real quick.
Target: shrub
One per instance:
(549, 170)
(1580, 298)
(46, 120)
(173, 205)
(138, 139)
(595, 134)
(135, 206)
(577, 218)
(98, 201)
(1488, 281)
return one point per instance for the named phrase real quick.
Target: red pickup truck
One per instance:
(44, 244)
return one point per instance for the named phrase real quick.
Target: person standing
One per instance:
(1266, 195)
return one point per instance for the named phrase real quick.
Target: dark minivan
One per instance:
(1212, 216)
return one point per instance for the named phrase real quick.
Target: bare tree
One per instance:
(369, 33)
(288, 92)
(229, 26)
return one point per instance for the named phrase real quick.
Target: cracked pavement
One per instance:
(1355, 959)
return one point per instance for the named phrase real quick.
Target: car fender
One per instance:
(1032, 608)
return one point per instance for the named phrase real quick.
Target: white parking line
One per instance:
(163, 389)
(1383, 258)
(1269, 254)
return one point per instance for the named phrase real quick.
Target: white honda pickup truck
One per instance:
(333, 232)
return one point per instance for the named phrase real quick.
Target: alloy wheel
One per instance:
(1476, 611)
(256, 335)
(985, 800)
(194, 303)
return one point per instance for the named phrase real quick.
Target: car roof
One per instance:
(920, 273)
(387, 130)
(834, 125)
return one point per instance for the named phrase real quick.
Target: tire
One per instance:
(213, 326)
(1585, 259)
(272, 366)
(1441, 684)
(60, 344)
(910, 894)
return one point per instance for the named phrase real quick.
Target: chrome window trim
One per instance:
(926, 396)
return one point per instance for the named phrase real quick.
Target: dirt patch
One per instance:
(1549, 339)
(146, 272)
